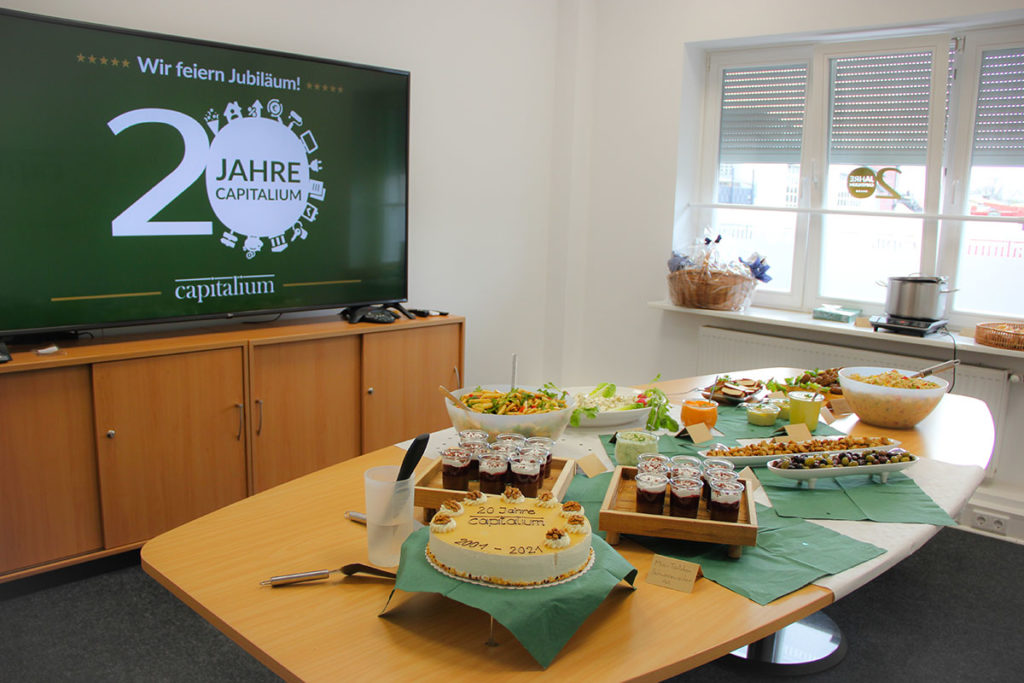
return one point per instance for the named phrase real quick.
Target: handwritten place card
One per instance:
(840, 406)
(671, 573)
(827, 416)
(777, 394)
(699, 432)
(798, 432)
(591, 465)
(753, 483)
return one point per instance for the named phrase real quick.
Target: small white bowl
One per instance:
(888, 406)
(539, 424)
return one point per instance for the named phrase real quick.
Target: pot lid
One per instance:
(936, 279)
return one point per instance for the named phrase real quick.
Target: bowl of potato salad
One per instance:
(886, 397)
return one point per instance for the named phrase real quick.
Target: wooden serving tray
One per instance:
(430, 493)
(619, 516)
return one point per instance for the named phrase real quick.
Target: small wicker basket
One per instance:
(1001, 335)
(720, 290)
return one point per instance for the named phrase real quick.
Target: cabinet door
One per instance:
(305, 409)
(401, 372)
(49, 493)
(170, 440)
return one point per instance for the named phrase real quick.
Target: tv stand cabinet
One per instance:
(109, 442)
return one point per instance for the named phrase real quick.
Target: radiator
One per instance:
(722, 350)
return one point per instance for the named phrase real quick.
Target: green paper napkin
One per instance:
(732, 422)
(855, 497)
(542, 619)
(790, 553)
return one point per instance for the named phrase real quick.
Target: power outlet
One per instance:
(989, 521)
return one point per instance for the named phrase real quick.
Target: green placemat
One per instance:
(542, 619)
(790, 553)
(854, 497)
(732, 422)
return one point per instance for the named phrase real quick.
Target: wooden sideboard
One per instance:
(108, 443)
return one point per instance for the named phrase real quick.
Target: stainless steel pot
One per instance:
(919, 297)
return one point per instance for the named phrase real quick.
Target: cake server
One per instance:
(304, 577)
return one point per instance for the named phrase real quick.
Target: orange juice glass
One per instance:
(695, 411)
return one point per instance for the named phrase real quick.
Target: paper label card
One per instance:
(826, 416)
(591, 465)
(862, 322)
(840, 406)
(747, 474)
(777, 394)
(699, 432)
(783, 439)
(671, 573)
(798, 432)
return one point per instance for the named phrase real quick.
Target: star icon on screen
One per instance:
(80, 57)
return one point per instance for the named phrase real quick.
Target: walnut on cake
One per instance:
(577, 524)
(571, 508)
(556, 538)
(442, 523)
(546, 499)
(452, 508)
(512, 495)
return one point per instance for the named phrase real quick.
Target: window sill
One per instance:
(802, 320)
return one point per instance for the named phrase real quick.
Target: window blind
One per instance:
(999, 119)
(762, 114)
(879, 109)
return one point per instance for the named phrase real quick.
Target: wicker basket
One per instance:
(1001, 335)
(720, 290)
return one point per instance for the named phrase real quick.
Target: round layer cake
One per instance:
(509, 540)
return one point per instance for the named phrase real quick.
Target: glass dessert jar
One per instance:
(650, 493)
(455, 469)
(652, 462)
(526, 472)
(493, 473)
(726, 496)
(684, 496)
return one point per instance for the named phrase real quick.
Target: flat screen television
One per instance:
(148, 178)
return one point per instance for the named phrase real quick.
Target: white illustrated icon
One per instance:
(257, 176)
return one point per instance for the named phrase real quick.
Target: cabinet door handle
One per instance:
(111, 433)
(259, 412)
(458, 380)
(370, 390)
(238, 437)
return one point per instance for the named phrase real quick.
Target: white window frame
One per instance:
(940, 236)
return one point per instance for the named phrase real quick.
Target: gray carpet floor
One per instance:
(953, 611)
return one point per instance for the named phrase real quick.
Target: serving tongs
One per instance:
(932, 369)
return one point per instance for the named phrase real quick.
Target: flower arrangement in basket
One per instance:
(702, 280)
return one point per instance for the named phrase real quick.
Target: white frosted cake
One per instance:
(510, 543)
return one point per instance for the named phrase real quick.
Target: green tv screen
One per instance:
(149, 178)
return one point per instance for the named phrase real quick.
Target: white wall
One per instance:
(481, 147)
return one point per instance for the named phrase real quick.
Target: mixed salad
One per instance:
(605, 398)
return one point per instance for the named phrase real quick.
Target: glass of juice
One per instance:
(694, 411)
(684, 500)
(725, 500)
(650, 492)
(455, 469)
(805, 406)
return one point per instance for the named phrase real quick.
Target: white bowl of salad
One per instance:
(606, 405)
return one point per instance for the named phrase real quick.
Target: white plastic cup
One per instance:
(389, 508)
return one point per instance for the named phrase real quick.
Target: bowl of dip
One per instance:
(887, 397)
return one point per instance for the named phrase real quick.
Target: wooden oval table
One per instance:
(333, 630)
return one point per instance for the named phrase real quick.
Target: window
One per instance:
(848, 163)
